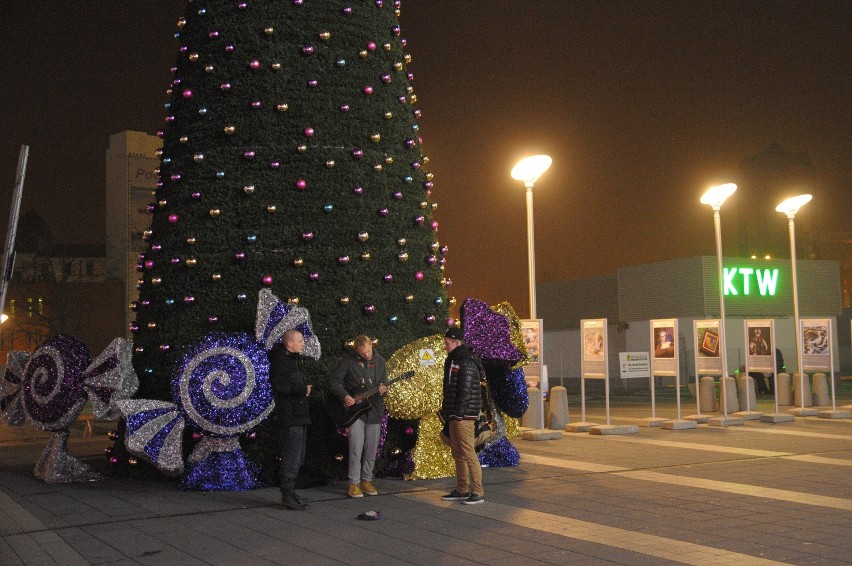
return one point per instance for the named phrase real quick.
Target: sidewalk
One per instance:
(754, 494)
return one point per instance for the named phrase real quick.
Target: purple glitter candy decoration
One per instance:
(487, 333)
(53, 392)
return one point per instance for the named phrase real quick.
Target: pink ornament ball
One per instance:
(301, 184)
(434, 225)
(314, 276)
(309, 132)
(429, 319)
(189, 299)
(267, 280)
(371, 46)
(187, 93)
(369, 309)
(149, 264)
(419, 276)
(368, 90)
(173, 218)
(213, 319)
(254, 64)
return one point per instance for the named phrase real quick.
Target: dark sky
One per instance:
(641, 104)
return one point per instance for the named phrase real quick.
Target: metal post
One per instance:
(8, 264)
(717, 224)
(799, 363)
(531, 248)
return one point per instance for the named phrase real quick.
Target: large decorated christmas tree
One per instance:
(292, 162)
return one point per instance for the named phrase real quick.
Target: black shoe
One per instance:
(455, 496)
(474, 499)
(291, 502)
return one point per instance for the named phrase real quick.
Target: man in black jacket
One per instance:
(461, 406)
(291, 405)
(358, 372)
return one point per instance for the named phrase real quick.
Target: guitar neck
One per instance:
(373, 390)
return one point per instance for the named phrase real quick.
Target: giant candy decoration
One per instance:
(493, 334)
(49, 389)
(220, 387)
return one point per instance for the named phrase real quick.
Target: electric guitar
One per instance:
(343, 416)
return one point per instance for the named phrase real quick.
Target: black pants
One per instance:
(293, 440)
(762, 383)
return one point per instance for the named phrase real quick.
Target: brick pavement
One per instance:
(755, 494)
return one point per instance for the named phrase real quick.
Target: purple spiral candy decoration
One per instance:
(222, 383)
(53, 392)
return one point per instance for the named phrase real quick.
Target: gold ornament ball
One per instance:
(402, 256)
(363, 236)
(269, 30)
(229, 129)
(298, 262)
(376, 137)
(401, 242)
(191, 262)
(330, 164)
(344, 300)
(216, 277)
(214, 212)
(271, 208)
(276, 66)
(282, 107)
(388, 115)
(365, 256)
(183, 139)
(325, 35)
(208, 68)
(193, 57)
(249, 189)
(191, 241)
(156, 280)
(398, 66)
(409, 298)
(152, 325)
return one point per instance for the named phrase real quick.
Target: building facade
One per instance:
(687, 290)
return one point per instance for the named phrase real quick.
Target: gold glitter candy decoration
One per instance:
(513, 426)
(432, 458)
(422, 394)
(515, 332)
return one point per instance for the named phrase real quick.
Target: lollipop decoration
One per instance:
(51, 389)
(221, 389)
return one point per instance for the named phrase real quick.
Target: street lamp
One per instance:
(790, 207)
(3, 318)
(529, 170)
(715, 197)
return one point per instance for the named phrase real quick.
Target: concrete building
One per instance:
(131, 179)
(687, 290)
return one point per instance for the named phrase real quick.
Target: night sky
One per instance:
(642, 105)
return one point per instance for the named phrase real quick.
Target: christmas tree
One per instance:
(291, 161)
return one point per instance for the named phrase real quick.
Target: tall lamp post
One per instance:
(790, 207)
(715, 197)
(529, 170)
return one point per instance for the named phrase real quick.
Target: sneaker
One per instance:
(291, 502)
(368, 488)
(355, 490)
(474, 499)
(455, 496)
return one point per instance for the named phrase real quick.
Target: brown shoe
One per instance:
(355, 490)
(368, 488)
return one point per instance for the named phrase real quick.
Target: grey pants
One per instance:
(292, 455)
(363, 444)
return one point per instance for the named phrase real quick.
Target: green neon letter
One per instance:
(767, 281)
(746, 273)
(730, 273)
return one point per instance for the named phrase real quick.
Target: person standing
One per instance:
(291, 405)
(460, 408)
(359, 371)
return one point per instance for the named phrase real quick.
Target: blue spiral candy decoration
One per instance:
(222, 384)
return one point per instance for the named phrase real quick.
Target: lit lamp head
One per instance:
(530, 169)
(716, 196)
(3, 318)
(792, 205)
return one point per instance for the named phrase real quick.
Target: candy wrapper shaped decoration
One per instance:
(51, 389)
(221, 389)
(494, 336)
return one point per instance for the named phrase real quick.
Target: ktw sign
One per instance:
(750, 281)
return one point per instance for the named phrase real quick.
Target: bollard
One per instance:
(707, 389)
(745, 390)
(797, 397)
(557, 413)
(532, 418)
(820, 391)
(785, 396)
(730, 393)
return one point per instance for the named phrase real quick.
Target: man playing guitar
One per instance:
(358, 372)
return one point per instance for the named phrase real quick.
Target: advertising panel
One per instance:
(708, 358)
(664, 347)
(816, 344)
